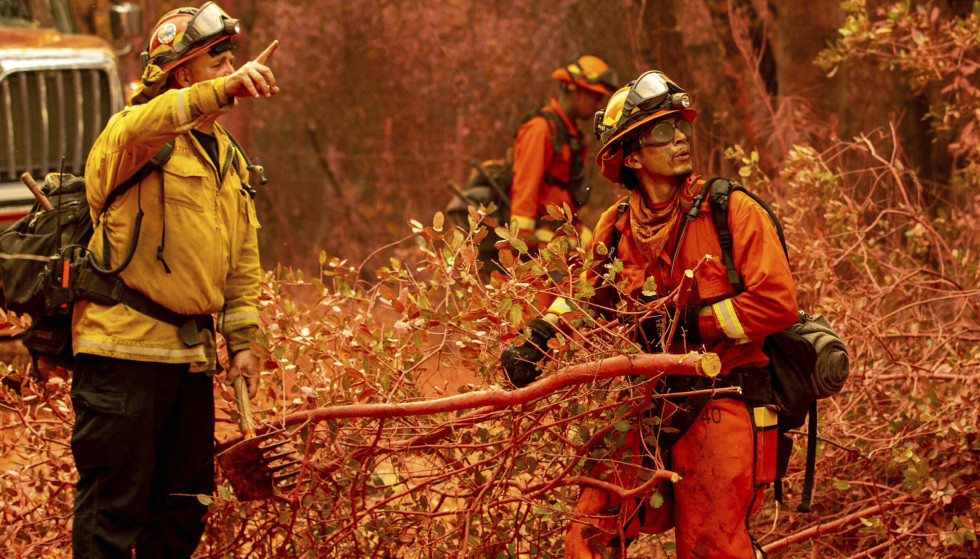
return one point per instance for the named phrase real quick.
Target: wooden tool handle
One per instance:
(28, 180)
(245, 420)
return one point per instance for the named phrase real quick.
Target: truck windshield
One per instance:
(15, 13)
(37, 13)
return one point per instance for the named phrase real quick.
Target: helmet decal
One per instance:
(167, 33)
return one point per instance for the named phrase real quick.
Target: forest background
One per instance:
(858, 120)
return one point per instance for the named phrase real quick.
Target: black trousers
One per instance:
(143, 444)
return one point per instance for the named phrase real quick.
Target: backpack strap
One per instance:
(690, 216)
(811, 459)
(105, 289)
(616, 233)
(718, 198)
(559, 132)
(612, 245)
(251, 168)
(154, 164)
(102, 285)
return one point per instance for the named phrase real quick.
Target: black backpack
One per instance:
(488, 186)
(807, 361)
(45, 264)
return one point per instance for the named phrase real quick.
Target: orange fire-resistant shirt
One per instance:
(739, 321)
(535, 157)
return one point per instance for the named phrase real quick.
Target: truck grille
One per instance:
(49, 114)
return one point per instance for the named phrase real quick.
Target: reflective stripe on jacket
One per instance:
(209, 242)
(535, 157)
(739, 321)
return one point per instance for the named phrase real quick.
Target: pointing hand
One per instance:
(254, 78)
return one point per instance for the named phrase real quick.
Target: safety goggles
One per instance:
(606, 78)
(654, 91)
(662, 133)
(208, 24)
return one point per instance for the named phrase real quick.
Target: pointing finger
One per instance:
(267, 53)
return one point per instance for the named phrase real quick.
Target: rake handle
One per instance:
(245, 420)
(28, 181)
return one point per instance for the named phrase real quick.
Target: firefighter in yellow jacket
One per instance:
(185, 238)
(722, 444)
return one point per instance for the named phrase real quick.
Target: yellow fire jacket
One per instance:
(201, 216)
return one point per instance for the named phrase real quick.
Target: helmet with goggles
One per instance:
(651, 97)
(588, 72)
(184, 33)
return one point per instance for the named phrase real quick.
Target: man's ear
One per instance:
(632, 161)
(182, 76)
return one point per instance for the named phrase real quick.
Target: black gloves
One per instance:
(688, 325)
(521, 362)
(650, 330)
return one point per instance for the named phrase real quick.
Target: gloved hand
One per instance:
(687, 326)
(521, 362)
(246, 364)
(649, 332)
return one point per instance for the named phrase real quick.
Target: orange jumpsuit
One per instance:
(535, 160)
(723, 463)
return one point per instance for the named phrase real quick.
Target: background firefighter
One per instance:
(723, 452)
(549, 151)
(143, 439)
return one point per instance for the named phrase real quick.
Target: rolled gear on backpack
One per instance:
(808, 361)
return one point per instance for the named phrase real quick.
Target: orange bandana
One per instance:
(652, 225)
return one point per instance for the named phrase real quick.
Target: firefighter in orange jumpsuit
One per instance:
(724, 448)
(549, 151)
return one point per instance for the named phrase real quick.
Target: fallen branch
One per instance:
(835, 526)
(644, 364)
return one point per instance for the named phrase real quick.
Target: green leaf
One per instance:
(622, 426)
(650, 287)
(842, 485)
(518, 244)
(515, 316)
(656, 500)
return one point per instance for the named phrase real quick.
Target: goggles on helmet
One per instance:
(651, 92)
(208, 24)
(662, 133)
(606, 78)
